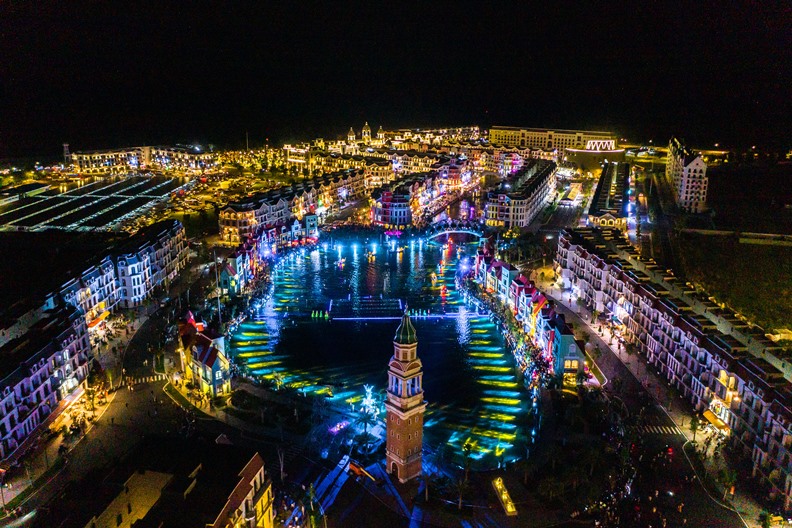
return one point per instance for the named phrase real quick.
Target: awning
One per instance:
(714, 420)
(98, 319)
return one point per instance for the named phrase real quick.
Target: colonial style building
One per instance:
(523, 195)
(405, 405)
(547, 138)
(44, 371)
(203, 359)
(687, 172)
(716, 361)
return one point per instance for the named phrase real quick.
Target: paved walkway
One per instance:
(679, 412)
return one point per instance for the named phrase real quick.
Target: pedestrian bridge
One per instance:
(448, 227)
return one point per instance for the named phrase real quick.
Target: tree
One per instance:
(427, 479)
(581, 378)
(728, 478)
(460, 487)
(694, 426)
(281, 455)
(365, 419)
(528, 466)
(467, 452)
(278, 379)
(765, 519)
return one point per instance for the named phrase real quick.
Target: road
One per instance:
(657, 431)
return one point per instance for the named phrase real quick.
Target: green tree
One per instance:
(765, 519)
(728, 478)
(694, 426)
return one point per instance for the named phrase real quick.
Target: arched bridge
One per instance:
(453, 226)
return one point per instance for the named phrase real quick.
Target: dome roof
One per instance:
(405, 334)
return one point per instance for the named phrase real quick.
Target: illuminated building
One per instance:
(406, 201)
(44, 372)
(318, 196)
(523, 195)
(405, 406)
(203, 359)
(95, 292)
(135, 158)
(550, 139)
(152, 257)
(726, 371)
(687, 172)
(610, 205)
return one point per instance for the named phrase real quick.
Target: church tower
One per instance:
(381, 134)
(405, 405)
(366, 134)
(350, 136)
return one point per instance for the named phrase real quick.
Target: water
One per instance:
(469, 377)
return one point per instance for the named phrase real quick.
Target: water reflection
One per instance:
(468, 375)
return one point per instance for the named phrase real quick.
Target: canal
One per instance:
(469, 377)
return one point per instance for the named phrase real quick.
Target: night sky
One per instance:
(127, 74)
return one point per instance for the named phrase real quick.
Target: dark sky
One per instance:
(102, 74)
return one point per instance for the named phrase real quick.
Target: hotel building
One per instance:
(687, 173)
(549, 139)
(137, 158)
(713, 359)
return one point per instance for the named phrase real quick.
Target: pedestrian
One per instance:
(112, 420)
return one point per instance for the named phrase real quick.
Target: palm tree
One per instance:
(553, 454)
(278, 379)
(460, 487)
(365, 419)
(427, 479)
(728, 478)
(467, 451)
(694, 426)
(528, 466)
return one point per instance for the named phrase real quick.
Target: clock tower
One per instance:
(405, 405)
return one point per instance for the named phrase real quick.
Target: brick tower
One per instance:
(405, 405)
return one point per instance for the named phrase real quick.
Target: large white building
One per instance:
(44, 370)
(151, 258)
(728, 373)
(687, 172)
(550, 139)
(136, 158)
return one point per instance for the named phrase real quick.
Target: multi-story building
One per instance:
(517, 201)
(203, 359)
(610, 205)
(43, 372)
(320, 196)
(550, 139)
(694, 344)
(94, 292)
(153, 257)
(135, 158)
(687, 173)
(401, 204)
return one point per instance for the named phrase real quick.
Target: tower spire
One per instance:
(405, 405)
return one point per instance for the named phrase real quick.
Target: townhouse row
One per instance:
(319, 196)
(522, 196)
(546, 328)
(411, 199)
(46, 352)
(722, 366)
(485, 157)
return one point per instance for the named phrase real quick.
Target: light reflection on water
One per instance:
(469, 378)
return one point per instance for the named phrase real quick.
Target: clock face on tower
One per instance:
(405, 405)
